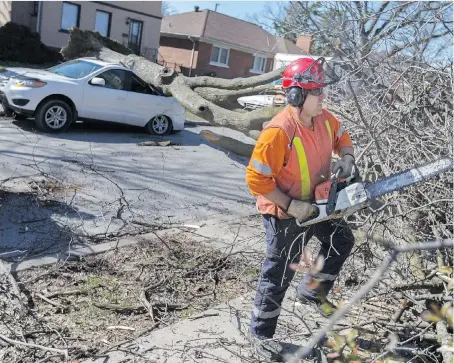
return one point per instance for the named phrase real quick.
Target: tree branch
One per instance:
(235, 83)
(304, 352)
(377, 17)
(36, 346)
(228, 98)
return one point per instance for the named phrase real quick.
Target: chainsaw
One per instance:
(336, 199)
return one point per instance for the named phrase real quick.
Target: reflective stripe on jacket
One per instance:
(308, 157)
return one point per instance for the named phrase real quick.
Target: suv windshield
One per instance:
(75, 69)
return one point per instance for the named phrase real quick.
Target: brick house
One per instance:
(206, 42)
(133, 23)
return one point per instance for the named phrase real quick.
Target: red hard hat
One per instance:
(307, 73)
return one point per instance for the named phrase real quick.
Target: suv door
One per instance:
(144, 101)
(109, 102)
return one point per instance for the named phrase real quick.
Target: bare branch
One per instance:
(378, 275)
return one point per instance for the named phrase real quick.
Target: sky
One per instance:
(237, 9)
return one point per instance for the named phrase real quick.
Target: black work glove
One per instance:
(345, 165)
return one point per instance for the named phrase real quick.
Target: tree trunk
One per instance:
(228, 143)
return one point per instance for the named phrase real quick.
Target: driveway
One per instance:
(95, 182)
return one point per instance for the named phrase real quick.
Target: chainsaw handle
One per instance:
(354, 175)
(336, 176)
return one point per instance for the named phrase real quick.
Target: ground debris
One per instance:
(157, 143)
(134, 289)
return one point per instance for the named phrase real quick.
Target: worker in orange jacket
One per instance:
(293, 154)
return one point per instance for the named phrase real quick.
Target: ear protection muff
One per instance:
(296, 97)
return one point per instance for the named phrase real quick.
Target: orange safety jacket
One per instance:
(306, 155)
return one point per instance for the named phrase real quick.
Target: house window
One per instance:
(102, 22)
(135, 35)
(259, 65)
(219, 56)
(70, 16)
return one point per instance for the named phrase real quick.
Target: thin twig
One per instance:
(57, 305)
(36, 346)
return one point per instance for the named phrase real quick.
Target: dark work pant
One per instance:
(284, 242)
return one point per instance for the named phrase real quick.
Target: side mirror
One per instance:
(98, 82)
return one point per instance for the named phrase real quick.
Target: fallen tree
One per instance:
(210, 98)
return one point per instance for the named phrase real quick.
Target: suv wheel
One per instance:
(159, 125)
(54, 116)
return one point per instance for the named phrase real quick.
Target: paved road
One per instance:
(104, 174)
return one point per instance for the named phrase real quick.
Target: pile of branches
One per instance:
(86, 308)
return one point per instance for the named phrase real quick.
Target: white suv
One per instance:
(89, 89)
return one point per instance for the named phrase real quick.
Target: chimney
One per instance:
(196, 9)
(304, 42)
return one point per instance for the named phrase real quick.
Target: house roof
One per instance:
(220, 27)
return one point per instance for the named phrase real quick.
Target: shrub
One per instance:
(19, 44)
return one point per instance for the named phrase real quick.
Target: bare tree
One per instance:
(167, 9)
(422, 29)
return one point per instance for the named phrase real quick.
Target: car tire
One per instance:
(159, 125)
(54, 116)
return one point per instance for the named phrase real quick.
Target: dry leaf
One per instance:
(445, 270)
(352, 335)
(428, 316)
(435, 309)
(328, 310)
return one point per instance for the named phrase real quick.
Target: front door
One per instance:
(135, 35)
(109, 102)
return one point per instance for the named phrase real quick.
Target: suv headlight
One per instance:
(29, 83)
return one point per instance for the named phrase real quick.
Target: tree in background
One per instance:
(167, 9)
(423, 29)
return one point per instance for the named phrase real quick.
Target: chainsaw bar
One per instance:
(407, 177)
